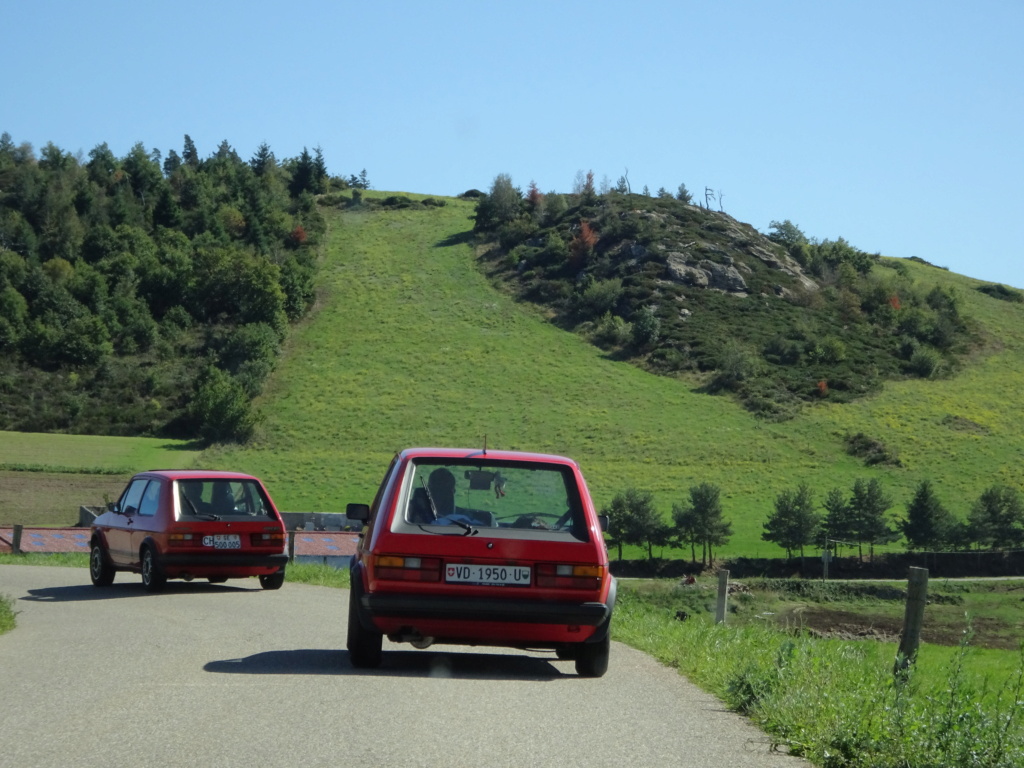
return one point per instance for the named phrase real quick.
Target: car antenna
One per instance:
(485, 445)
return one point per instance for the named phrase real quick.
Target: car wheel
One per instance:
(100, 570)
(592, 658)
(272, 580)
(364, 647)
(153, 577)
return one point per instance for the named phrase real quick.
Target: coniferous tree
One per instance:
(795, 523)
(633, 519)
(263, 162)
(701, 521)
(189, 154)
(839, 524)
(928, 525)
(319, 171)
(868, 505)
(302, 175)
(996, 519)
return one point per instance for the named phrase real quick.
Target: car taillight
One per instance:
(181, 539)
(570, 576)
(407, 568)
(267, 539)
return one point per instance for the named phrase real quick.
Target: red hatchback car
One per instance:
(481, 547)
(186, 524)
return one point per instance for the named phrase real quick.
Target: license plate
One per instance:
(223, 541)
(499, 575)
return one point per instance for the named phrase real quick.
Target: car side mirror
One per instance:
(114, 507)
(357, 512)
(602, 520)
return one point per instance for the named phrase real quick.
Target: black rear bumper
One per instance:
(483, 609)
(223, 560)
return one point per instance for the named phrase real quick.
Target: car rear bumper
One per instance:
(190, 562)
(399, 606)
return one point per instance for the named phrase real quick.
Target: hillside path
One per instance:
(230, 675)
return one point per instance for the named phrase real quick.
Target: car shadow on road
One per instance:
(465, 666)
(82, 592)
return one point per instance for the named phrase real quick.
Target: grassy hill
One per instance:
(411, 344)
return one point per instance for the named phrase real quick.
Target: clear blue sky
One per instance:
(897, 125)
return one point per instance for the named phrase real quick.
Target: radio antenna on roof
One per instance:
(485, 445)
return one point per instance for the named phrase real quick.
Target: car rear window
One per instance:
(511, 500)
(221, 498)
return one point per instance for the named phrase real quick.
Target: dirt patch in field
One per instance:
(847, 625)
(844, 625)
(50, 498)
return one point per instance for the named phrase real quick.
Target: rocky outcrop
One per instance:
(705, 274)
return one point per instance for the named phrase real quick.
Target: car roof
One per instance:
(196, 474)
(485, 454)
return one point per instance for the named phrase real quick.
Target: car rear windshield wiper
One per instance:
(469, 529)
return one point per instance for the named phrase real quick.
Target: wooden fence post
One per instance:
(291, 546)
(917, 597)
(723, 594)
(16, 540)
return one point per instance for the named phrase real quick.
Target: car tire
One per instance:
(364, 646)
(100, 570)
(153, 577)
(592, 658)
(272, 580)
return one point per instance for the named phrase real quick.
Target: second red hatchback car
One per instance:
(480, 547)
(185, 524)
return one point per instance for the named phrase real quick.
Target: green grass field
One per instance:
(45, 478)
(410, 344)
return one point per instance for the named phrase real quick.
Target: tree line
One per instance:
(856, 519)
(149, 294)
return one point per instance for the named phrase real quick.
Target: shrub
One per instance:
(612, 331)
(869, 449)
(598, 298)
(924, 363)
(997, 291)
(221, 408)
(782, 351)
(735, 364)
(646, 328)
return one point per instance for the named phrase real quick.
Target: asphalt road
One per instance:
(229, 675)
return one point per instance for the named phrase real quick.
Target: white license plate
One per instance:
(501, 575)
(223, 541)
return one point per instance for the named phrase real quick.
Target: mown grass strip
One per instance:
(66, 470)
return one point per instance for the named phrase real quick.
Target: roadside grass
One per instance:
(836, 702)
(411, 344)
(7, 612)
(56, 559)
